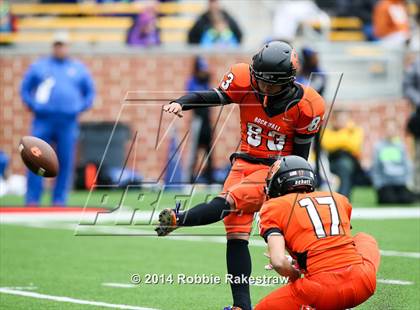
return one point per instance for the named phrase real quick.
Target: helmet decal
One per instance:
(273, 169)
(294, 59)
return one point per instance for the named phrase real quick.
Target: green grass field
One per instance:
(51, 260)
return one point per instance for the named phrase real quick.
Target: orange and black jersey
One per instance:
(270, 132)
(316, 228)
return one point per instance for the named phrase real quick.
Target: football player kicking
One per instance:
(278, 117)
(314, 227)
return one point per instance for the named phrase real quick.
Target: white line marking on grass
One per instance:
(29, 288)
(121, 285)
(125, 215)
(118, 230)
(385, 213)
(394, 282)
(400, 254)
(5, 290)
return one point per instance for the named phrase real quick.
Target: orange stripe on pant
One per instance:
(336, 289)
(245, 184)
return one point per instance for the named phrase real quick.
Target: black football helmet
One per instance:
(290, 174)
(276, 64)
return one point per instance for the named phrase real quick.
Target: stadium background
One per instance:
(118, 74)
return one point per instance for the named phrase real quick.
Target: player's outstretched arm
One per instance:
(198, 99)
(278, 259)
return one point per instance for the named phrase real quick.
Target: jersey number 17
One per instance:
(316, 221)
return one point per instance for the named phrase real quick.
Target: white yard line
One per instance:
(126, 215)
(394, 282)
(64, 220)
(23, 288)
(118, 230)
(385, 213)
(119, 285)
(400, 254)
(9, 291)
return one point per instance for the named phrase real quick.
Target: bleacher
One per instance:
(94, 23)
(344, 29)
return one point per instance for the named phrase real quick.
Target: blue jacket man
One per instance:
(57, 89)
(201, 126)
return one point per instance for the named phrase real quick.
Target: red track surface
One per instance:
(48, 209)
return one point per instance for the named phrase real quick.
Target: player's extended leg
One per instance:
(244, 192)
(238, 259)
(248, 196)
(42, 130)
(248, 199)
(201, 214)
(66, 141)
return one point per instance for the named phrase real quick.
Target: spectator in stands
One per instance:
(144, 32)
(414, 45)
(310, 71)
(411, 89)
(342, 140)
(352, 8)
(7, 20)
(364, 9)
(61, 1)
(390, 22)
(310, 74)
(201, 129)
(391, 170)
(217, 18)
(290, 14)
(111, 1)
(329, 6)
(219, 34)
(56, 89)
(4, 162)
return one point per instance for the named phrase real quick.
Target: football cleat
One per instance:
(168, 221)
(232, 308)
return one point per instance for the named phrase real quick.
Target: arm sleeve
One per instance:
(29, 84)
(201, 99)
(88, 89)
(302, 145)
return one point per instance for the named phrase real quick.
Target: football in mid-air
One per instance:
(38, 156)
